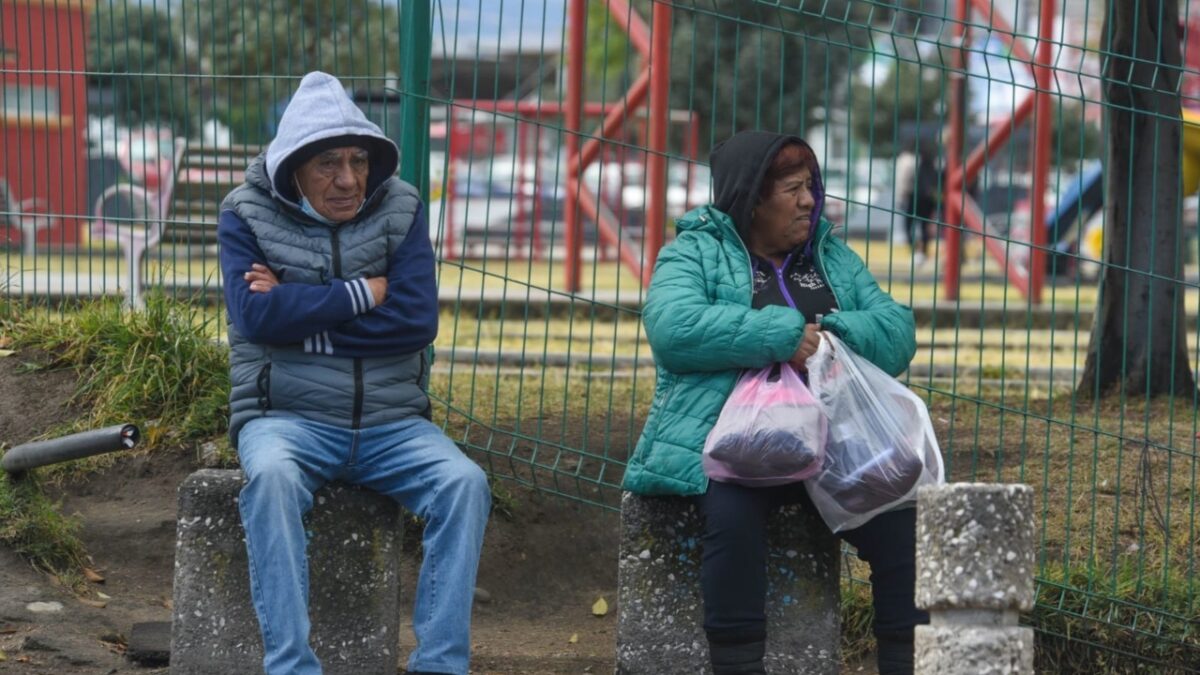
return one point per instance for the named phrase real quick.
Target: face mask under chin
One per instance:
(307, 208)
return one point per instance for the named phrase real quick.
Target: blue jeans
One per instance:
(287, 459)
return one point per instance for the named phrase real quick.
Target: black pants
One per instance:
(733, 571)
(917, 223)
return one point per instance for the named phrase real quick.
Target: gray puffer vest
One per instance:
(287, 381)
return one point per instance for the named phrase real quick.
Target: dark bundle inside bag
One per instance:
(771, 449)
(771, 431)
(881, 480)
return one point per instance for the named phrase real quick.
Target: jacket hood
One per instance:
(321, 115)
(738, 166)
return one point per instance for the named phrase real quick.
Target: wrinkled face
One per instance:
(783, 219)
(335, 182)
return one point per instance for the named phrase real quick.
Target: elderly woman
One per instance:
(741, 287)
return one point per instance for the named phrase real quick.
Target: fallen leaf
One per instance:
(600, 608)
(574, 638)
(167, 602)
(103, 596)
(93, 576)
(3, 656)
(6, 352)
(99, 604)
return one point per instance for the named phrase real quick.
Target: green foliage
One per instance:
(1075, 139)
(910, 93)
(154, 368)
(258, 49)
(1114, 620)
(610, 60)
(750, 65)
(31, 526)
(136, 51)
(858, 612)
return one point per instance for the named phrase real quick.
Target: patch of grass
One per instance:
(155, 368)
(31, 525)
(858, 612)
(1110, 620)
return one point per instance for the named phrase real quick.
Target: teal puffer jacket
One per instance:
(704, 333)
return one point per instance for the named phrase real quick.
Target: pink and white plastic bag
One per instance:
(771, 431)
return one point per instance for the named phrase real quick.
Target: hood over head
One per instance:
(738, 167)
(319, 117)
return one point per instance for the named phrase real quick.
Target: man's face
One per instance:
(335, 182)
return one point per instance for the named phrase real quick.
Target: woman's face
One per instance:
(783, 219)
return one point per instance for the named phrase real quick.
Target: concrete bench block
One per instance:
(974, 650)
(976, 545)
(354, 551)
(660, 621)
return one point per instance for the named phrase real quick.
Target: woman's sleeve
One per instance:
(690, 332)
(880, 329)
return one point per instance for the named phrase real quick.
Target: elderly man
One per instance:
(329, 284)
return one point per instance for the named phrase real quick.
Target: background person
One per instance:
(330, 288)
(740, 288)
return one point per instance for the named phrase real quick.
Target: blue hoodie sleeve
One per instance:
(288, 313)
(407, 320)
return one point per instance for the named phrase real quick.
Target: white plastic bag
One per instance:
(881, 446)
(771, 431)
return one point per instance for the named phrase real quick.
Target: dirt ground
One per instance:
(542, 568)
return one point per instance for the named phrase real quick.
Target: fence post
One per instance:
(416, 47)
(975, 561)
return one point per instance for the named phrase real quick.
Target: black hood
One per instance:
(738, 165)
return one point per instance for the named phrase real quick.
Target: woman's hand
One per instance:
(808, 346)
(261, 278)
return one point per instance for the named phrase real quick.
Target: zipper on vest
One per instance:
(336, 252)
(358, 393)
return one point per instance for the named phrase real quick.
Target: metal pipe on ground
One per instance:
(73, 446)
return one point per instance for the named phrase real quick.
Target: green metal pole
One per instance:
(416, 29)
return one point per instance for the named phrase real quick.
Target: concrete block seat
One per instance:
(354, 550)
(660, 619)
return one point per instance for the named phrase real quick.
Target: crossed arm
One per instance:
(360, 317)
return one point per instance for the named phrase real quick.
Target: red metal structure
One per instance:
(644, 107)
(959, 207)
(43, 119)
(467, 140)
(653, 45)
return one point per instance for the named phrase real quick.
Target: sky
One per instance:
(504, 25)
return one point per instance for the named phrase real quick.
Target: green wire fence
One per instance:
(555, 141)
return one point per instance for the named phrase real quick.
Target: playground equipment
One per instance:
(1074, 219)
(960, 209)
(1065, 225)
(73, 446)
(1082, 200)
(132, 216)
(27, 214)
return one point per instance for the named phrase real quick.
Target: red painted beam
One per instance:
(656, 163)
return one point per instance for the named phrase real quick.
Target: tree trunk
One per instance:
(1139, 332)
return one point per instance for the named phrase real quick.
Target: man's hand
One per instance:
(378, 289)
(808, 346)
(261, 278)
